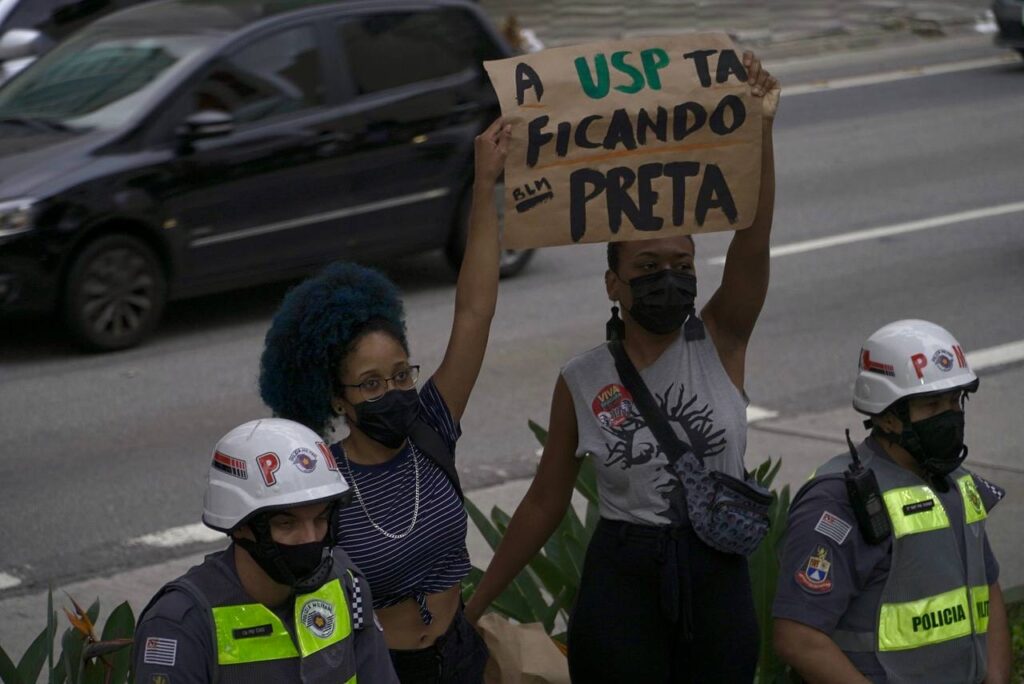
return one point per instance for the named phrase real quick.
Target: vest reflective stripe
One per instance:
(974, 509)
(979, 604)
(913, 510)
(927, 621)
(322, 618)
(250, 634)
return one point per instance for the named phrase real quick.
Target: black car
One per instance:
(1009, 16)
(183, 147)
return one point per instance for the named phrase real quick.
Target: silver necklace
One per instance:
(416, 496)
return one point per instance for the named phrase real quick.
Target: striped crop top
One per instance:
(433, 556)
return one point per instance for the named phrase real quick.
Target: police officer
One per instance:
(282, 603)
(896, 582)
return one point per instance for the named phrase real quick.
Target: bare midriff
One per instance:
(403, 627)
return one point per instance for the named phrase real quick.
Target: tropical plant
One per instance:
(84, 658)
(764, 576)
(546, 588)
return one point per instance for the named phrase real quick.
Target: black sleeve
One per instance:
(173, 643)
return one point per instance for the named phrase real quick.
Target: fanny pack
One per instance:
(728, 514)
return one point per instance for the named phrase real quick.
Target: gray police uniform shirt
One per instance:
(857, 569)
(703, 406)
(175, 616)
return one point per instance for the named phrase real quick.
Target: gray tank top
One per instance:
(705, 409)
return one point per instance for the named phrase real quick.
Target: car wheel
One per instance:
(512, 260)
(114, 293)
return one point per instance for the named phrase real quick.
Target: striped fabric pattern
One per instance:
(433, 557)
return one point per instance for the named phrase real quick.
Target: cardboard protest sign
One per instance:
(628, 140)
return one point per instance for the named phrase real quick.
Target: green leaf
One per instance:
(120, 625)
(540, 433)
(501, 520)
(34, 658)
(490, 534)
(51, 631)
(471, 582)
(575, 552)
(549, 574)
(593, 517)
(8, 672)
(58, 674)
(72, 643)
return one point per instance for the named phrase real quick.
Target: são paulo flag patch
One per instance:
(833, 527)
(160, 651)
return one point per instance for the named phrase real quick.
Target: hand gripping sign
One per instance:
(629, 140)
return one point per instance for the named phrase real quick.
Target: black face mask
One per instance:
(936, 443)
(663, 300)
(388, 419)
(304, 567)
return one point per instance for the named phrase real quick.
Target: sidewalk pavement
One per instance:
(802, 442)
(775, 28)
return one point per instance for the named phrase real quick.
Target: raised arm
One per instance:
(476, 294)
(732, 311)
(541, 510)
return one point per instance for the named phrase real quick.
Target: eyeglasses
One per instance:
(373, 389)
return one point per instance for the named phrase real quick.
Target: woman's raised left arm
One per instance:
(732, 311)
(476, 294)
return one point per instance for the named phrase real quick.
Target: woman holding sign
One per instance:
(656, 602)
(337, 351)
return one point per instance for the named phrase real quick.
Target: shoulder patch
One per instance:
(159, 678)
(833, 527)
(159, 651)
(814, 577)
(991, 494)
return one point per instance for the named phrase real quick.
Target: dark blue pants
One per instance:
(659, 606)
(457, 657)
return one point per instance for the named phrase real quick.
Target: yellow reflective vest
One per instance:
(253, 644)
(932, 617)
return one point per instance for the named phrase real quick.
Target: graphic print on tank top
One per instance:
(633, 445)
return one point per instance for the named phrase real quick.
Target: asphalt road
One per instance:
(97, 450)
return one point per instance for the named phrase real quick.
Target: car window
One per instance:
(394, 49)
(98, 80)
(279, 74)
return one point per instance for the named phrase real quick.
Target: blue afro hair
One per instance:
(317, 321)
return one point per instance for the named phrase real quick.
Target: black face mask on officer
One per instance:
(936, 443)
(662, 301)
(388, 419)
(304, 567)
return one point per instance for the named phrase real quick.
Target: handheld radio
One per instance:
(866, 499)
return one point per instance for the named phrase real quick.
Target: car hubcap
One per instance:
(117, 293)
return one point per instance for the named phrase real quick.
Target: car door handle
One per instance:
(466, 108)
(328, 143)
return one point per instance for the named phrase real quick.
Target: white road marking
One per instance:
(8, 581)
(886, 231)
(996, 356)
(900, 75)
(759, 413)
(178, 536)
